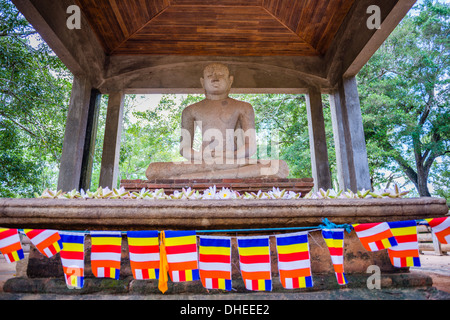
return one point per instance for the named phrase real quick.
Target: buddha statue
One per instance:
(228, 137)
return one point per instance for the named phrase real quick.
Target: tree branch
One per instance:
(18, 34)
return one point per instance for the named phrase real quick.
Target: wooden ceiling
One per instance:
(215, 27)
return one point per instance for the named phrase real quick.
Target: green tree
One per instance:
(404, 92)
(34, 94)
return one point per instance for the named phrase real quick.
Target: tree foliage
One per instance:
(404, 92)
(34, 94)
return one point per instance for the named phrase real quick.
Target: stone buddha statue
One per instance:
(228, 137)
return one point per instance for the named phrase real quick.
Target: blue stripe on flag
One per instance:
(106, 234)
(174, 234)
(195, 274)
(228, 284)
(308, 282)
(402, 224)
(329, 234)
(142, 234)
(285, 241)
(207, 242)
(72, 238)
(246, 243)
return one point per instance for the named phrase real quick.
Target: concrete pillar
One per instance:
(317, 140)
(111, 143)
(75, 133)
(351, 153)
(89, 143)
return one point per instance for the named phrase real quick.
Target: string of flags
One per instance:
(177, 254)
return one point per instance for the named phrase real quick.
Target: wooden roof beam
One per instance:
(355, 43)
(78, 49)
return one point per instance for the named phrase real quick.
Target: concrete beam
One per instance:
(111, 144)
(75, 134)
(351, 152)
(181, 74)
(317, 140)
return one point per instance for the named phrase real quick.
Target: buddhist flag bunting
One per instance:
(106, 248)
(441, 228)
(48, 242)
(334, 238)
(293, 260)
(143, 247)
(254, 261)
(215, 262)
(406, 253)
(375, 236)
(181, 252)
(72, 258)
(10, 245)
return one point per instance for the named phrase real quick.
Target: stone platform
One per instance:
(204, 215)
(302, 185)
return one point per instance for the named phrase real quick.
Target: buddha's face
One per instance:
(216, 79)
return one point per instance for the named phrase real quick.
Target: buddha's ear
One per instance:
(202, 81)
(231, 80)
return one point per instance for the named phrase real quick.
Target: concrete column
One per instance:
(75, 133)
(89, 143)
(317, 140)
(351, 154)
(111, 143)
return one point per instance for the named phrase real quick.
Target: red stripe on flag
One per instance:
(255, 259)
(406, 238)
(33, 233)
(214, 258)
(288, 257)
(106, 248)
(181, 248)
(336, 251)
(365, 226)
(74, 255)
(143, 249)
(7, 233)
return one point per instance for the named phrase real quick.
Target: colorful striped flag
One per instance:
(406, 253)
(441, 228)
(106, 249)
(215, 262)
(254, 261)
(143, 248)
(10, 245)
(72, 258)
(181, 252)
(294, 264)
(334, 238)
(375, 236)
(48, 242)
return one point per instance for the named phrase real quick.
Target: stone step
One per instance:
(130, 286)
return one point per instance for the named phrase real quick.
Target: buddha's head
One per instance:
(216, 81)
